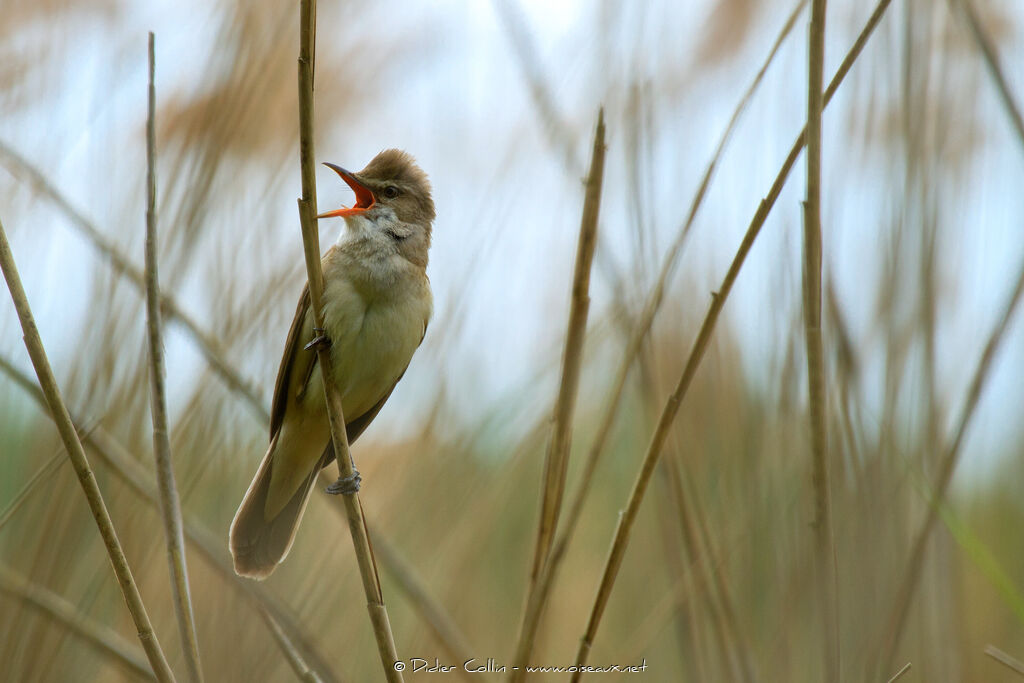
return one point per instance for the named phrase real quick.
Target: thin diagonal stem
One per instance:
(170, 503)
(311, 249)
(93, 496)
(700, 344)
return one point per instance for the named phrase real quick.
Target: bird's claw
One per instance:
(320, 341)
(346, 486)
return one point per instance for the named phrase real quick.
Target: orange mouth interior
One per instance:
(364, 196)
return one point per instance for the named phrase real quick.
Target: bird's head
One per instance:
(392, 192)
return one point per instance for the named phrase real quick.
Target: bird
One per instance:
(376, 304)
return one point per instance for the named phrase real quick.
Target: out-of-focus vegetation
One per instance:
(720, 564)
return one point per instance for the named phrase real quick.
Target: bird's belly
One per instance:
(375, 356)
(371, 345)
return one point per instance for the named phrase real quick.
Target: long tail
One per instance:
(258, 544)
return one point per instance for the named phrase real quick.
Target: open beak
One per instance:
(364, 196)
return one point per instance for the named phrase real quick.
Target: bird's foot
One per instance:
(320, 341)
(346, 486)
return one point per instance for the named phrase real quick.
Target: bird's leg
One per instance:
(320, 341)
(346, 486)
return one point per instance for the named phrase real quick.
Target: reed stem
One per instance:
(311, 248)
(170, 503)
(817, 391)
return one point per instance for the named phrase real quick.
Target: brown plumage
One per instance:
(377, 303)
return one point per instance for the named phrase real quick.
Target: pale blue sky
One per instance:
(509, 209)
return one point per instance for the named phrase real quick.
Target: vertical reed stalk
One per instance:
(311, 248)
(556, 460)
(93, 496)
(816, 390)
(170, 503)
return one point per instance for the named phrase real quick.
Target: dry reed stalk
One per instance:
(311, 248)
(946, 467)
(556, 461)
(57, 608)
(211, 548)
(816, 390)
(206, 343)
(651, 307)
(1010, 662)
(628, 517)
(76, 453)
(170, 503)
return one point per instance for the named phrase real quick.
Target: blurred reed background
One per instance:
(922, 212)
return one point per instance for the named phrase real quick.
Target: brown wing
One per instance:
(294, 359)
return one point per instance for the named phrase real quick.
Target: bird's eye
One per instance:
(390, 191)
